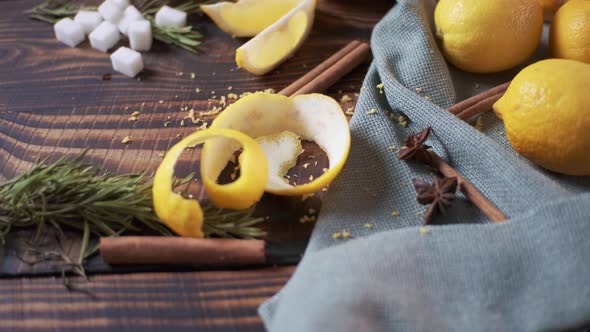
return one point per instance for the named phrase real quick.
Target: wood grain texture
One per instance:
(54, 102)
(201, 301)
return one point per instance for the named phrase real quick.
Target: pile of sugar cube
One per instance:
(105, 26)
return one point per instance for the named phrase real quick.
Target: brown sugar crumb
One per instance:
(345, 99)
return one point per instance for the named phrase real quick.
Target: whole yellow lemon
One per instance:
(485, 36)
(570, 31)
(546, 112)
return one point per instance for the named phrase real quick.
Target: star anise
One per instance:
(439, 195)
(415, 147)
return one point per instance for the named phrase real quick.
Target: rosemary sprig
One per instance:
(51, 11)
(74, 195)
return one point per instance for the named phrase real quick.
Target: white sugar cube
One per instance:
(104, 37)
(110, 11)
(140, 35)
(127, 61)
(69, 32)
(120, 3)
(89, 20)
(170, 17)
(131, 14)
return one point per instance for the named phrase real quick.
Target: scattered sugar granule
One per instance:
(161, 101)
(306, 196)
(372, 111)
(427, 97)
(391, 148)
(132, 118)
(179, 135)
(423, 230)
(126, 140)
(311, 178)
(345, 234)
(230, 87)
(336, 235)
(345, 99)
(349, 111)
(311, 211)
(193, 75)
(324, 170)
(213, 92)
(380, 87)
(197, 90)
(478, 123)
(324, 189)
(356, 94)
(161, 154)
(167, 123)
(306, 165)
(339, 92)
(269, 90)
(418, 89)
(395, 213)
(232, 96)
(368, 226)
(476, 86)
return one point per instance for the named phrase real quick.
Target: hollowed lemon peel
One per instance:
(281, 152)
(185, 216)
(277, 42)
(247, 18)
(313, 117)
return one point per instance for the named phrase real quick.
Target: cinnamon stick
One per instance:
(331, 75)
(468, 189)
(319, 69)
(478, 99)
(181, 251)
(416, 150)
(480, 107)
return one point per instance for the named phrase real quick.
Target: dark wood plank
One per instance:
(203, 301)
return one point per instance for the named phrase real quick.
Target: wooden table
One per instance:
(56, 101)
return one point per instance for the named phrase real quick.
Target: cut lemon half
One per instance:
(313, 117)
(277, 42)
(247, 18)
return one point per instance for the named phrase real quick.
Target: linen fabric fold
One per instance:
(531, 273)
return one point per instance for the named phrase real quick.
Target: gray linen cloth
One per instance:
(531, 273)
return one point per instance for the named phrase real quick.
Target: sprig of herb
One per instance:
(74, 195)
(187, 38)
(51, 11)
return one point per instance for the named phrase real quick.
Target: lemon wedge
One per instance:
(266, 117)
(247, 18)
(277, 42)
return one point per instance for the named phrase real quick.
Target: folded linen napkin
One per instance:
(531, 273)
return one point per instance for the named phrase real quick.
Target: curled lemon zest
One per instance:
(185, 216)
